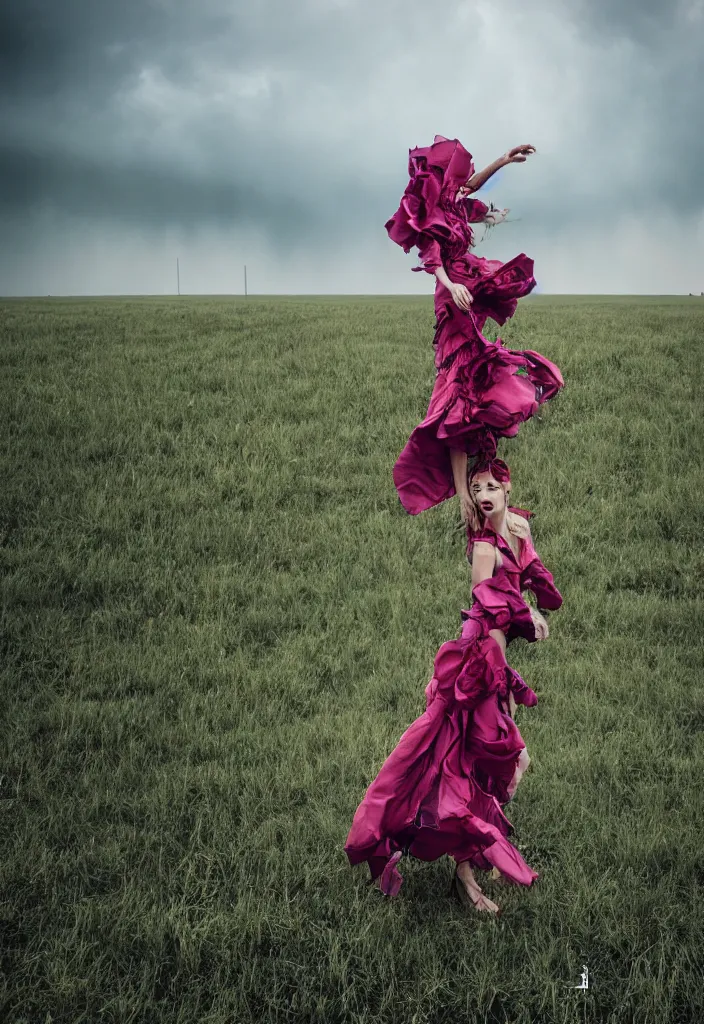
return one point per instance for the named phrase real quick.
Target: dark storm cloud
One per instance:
(85, 45)
(68, 142)
(107, 110)
(643, 21)
(55, 45)
(85, 187)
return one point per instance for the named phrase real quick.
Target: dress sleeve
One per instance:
(429, 254)
(536, 577)
(485, 536)
(476, 210)
(502, 608)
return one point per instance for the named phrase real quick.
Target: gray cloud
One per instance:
(643, 21)
(154, 195)
(294, 121)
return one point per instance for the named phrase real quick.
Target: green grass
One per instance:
(217, 621)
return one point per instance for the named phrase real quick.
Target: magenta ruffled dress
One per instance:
(442, 789)
(483, 390)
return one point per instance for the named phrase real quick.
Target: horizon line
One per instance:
(351, 295)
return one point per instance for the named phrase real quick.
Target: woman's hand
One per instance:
(468, 511)
(461, 296)
(541, 626)
(519, 154)
(495, 216)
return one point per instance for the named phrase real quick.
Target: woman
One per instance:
(442, 789)
(482, 390)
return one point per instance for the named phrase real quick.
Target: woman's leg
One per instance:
(512, 706)
(521, 768)
(478, 898)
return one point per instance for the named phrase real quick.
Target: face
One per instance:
(488, 494)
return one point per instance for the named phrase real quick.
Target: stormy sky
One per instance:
(276, 133)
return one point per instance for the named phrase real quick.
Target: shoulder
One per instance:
(482, 537)
(481, 546)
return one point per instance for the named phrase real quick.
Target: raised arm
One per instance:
(481, 177)
(517, 155)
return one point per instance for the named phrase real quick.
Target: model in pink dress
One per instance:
(442, 790)
(483, 390)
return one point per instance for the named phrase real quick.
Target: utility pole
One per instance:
(178, 278)
(245, 278)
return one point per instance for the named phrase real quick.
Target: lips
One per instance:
(486, 506)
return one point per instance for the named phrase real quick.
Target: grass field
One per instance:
(217, 621)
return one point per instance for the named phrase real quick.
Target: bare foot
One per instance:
(469, 891)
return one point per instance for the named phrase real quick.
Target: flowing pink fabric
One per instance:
(483, 390)
(442, 789)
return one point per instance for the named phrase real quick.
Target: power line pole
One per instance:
(245, 278)
(178, 278)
